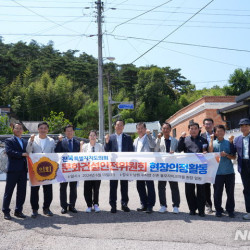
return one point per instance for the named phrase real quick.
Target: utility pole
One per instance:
(100, 71)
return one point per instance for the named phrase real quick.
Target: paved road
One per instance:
(134, 230)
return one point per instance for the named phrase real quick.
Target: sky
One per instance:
(132, 30)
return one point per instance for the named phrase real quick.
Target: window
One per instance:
(174, 132)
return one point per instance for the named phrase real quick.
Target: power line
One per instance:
(114, 7)
(160, 11)
(6, 14)
(143, 23)
(172, 31)
(43, 16)
(128, 37)
(31, 35)
(188, 13)
(210, 81)
(173, 7)
(42, 7)
(199, 57)
(49, 1)
(140, 15)
(179, 43)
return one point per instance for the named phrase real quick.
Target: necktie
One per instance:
(93, 149)
(70, 146)
(167, 143)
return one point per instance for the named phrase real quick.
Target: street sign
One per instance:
(126, 106)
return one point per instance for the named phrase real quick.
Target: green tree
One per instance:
(152, 86)
(239, 82)
(4, 125)
(87, 118)
(56, 122)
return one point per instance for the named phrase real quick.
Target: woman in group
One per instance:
(91, 188)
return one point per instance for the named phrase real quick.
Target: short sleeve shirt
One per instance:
(225, 165)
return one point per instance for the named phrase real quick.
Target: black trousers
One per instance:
(195, 200)
(72, 194)
(208, 194)
(174, 191)
(113, 192)
(229, 181)
(91, 192)
(147, 197)
(47, 194)
(245, 177)
(18, 179)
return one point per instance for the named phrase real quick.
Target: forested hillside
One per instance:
(36, 79)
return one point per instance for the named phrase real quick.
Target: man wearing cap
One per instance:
(242, 144)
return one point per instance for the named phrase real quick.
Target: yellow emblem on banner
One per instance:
(45, 169)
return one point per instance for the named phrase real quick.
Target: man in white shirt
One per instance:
(145, 143)
(41, 143)
(167, 144)
(208, 124)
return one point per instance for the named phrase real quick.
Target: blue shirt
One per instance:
(20, 141)
(225, 164)
(246, 147)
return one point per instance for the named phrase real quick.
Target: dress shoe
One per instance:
(7, 216)
(34, 214)
(231, 215)
(113, 210)
(142, 209)
(20, 215)
(218, 214)
(125, 209)
(47, 212)
(246, 216)
(192, 213)
(149, 210)
(201, 214)
(64, 211)
(73, 210)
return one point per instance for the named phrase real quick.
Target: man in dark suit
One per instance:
(242, 147)
(15, 148)
(68, 144)
(208, 124)
(118, 142)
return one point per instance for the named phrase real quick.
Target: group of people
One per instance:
(198, 195)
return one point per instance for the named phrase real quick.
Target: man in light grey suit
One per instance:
(168, 144)
(145, 143)
(41, 143)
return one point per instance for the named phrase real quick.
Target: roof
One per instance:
(131, 127)
(216, 102)
(243, 97)
(242, 101)
(231, 108)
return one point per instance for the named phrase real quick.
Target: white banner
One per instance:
(66, 167)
